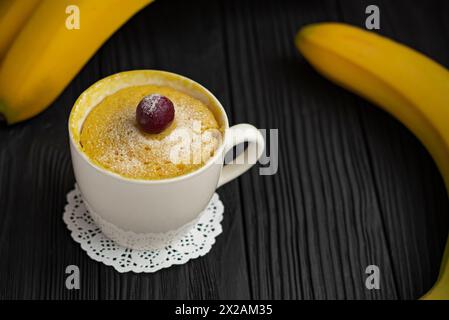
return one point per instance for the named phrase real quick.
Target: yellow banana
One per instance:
(13, 15)
(404, 82)
(47, 54)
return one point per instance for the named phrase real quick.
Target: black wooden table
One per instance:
(354, 187)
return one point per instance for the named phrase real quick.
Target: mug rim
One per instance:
(208, 164)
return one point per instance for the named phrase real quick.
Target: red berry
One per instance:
(155, 113)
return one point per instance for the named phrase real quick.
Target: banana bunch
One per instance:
(407, 84)
(40, 55)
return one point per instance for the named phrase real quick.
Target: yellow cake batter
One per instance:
(111, 138)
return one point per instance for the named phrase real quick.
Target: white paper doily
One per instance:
(196, 242)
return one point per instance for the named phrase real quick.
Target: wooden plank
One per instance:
(354, 187)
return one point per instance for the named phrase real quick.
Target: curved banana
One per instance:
(13, 15)
(404, 82)
(46, 55)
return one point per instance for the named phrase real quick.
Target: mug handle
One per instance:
(238, 134)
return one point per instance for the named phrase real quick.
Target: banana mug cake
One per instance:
(150, 132)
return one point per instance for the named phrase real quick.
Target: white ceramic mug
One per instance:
(144, 214)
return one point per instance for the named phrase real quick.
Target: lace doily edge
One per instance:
(206, 249)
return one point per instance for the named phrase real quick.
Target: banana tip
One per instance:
(306, 31)
(3, 122)
(319, 29)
